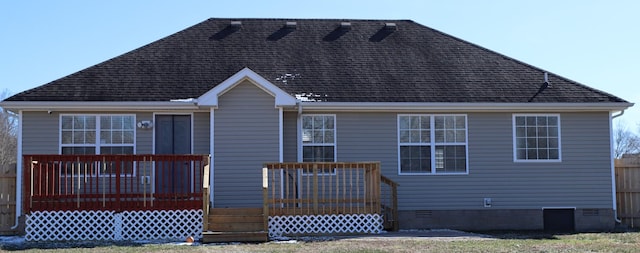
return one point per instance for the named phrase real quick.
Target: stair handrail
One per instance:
(394, 201)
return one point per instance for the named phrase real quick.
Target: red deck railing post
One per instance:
(118, 190)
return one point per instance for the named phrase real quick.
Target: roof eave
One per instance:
(98, 105)
(318, 106)
(464, 107)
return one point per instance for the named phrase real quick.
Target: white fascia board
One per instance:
(97, 106)
(463, 107)
(211, 97)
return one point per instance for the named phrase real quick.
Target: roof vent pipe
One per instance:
(236, 23)
(546, 79)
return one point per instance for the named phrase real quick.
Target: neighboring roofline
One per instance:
(462, 107)
(316, 106)
(281, 97)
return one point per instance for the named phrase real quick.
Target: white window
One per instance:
(318, 138)
(98, 134)
(432, 144)
(536, 137)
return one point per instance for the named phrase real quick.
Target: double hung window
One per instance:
(318, 138)
(432, 144)
(98, 134)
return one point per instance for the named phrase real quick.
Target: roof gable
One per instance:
(211, 97)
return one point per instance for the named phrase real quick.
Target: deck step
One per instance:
(235, 225)
(236, 211)
(213, 237)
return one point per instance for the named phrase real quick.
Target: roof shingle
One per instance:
(365, 63)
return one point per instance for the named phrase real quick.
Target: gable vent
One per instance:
(390, 26)
(291, 25)
(236, 24)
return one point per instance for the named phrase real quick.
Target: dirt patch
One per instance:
(433, 234)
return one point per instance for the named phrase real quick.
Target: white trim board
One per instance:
(281, 97)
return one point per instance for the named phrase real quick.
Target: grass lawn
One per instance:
(496, 242)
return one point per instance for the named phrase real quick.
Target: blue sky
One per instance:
(593, 42)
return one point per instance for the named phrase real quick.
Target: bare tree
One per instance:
(8, 134)
(625, 141)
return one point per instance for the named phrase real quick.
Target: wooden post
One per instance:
(315, 188)
(77, 189)
(30, 178)
(205, 196)
(265, 198)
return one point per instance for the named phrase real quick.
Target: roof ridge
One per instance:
(312, 19)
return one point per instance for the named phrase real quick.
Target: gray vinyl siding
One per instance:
(246, 126)
(201, 133)
(582, 179)
(40, 134)
(144, 137)
(290, 136)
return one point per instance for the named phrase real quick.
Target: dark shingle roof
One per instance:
(366, 63)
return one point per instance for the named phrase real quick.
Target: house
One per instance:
(312, 118)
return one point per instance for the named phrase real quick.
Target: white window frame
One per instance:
(98, 143)
(303, 144)
(514, 137)
(432, 144)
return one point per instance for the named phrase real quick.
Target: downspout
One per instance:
(615, 116)
(613, 168)
(19, 180)
(299, 133)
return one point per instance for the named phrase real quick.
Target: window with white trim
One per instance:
(432, 144)
(536, 137)
(318, 138)
(98, 134)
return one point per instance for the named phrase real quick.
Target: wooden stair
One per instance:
(235, 225)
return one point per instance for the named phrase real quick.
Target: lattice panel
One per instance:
(108, 225)
(70, 225)
(153, 225)
(325, 224)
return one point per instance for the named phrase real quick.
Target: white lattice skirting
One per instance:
(325, 224)
(109, 225)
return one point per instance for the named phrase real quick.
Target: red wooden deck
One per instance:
(113, 182)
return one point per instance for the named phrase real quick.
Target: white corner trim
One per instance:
(613, 169)
(19, 180)
(211, 97)
(212, 161)
(281, 134)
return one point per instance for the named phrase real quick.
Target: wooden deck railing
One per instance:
(322, 188)
(113, 182)
(389, 199)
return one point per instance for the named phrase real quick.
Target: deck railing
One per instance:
(322, 188)
(113, 182)
(389, 201)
